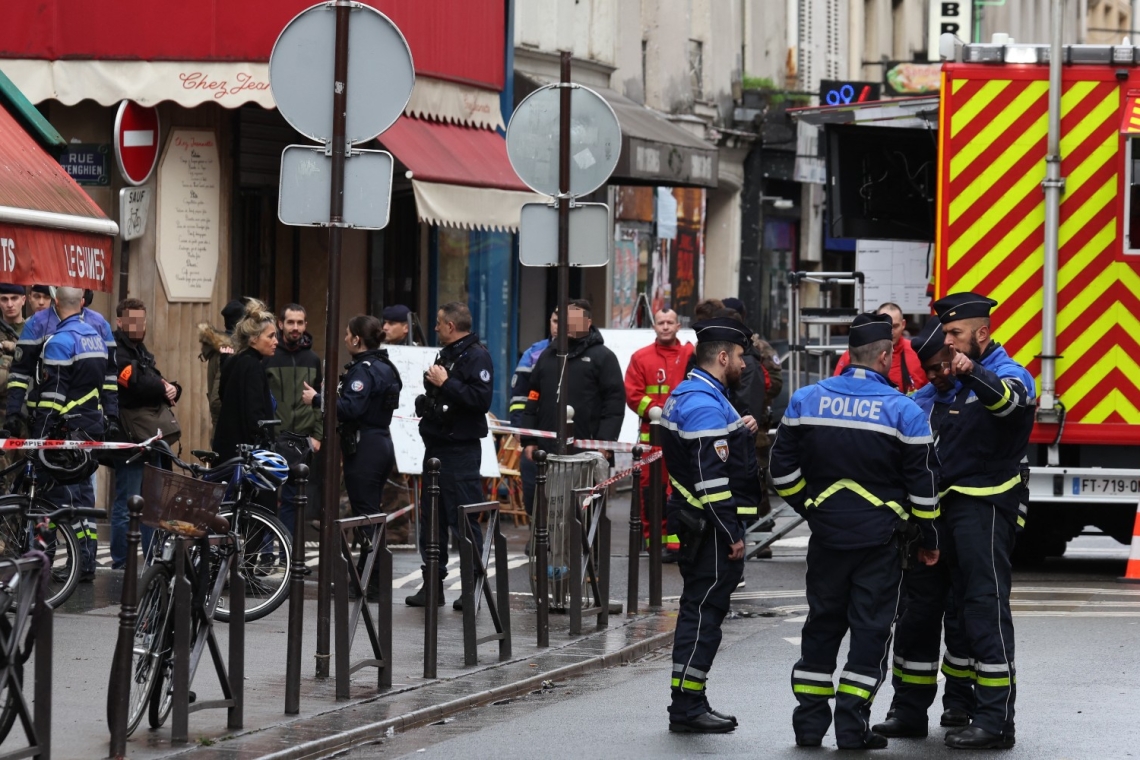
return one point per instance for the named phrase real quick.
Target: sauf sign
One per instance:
(949, 17)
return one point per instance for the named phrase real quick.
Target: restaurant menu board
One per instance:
(189, 215)
(896, 271)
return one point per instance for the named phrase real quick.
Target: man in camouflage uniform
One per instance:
(11, 325)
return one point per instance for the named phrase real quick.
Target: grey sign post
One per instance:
(310, 73)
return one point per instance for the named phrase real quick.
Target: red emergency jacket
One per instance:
(914, 378)
(652, 374)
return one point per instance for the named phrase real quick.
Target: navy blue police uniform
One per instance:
(983, 445)
(453, 421)
(711, 459)
(855, 458)
(367, 395)
(69, 378)
(928, 604)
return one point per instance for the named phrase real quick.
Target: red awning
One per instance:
(461, 175)
(51, 232)
(452, 154)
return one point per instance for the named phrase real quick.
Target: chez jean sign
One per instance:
(220, 87)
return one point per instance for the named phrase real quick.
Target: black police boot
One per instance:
(457, 605)
(975, 737)
(705, 723)
(895, 728)
(419, 599)
(806, 740)
(953, 717)
(871, 741)
(670, 556)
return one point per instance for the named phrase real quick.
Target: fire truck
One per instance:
(969, 171)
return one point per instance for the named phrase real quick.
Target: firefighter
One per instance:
(928, 601)
(652, 373)
(710, 453)
(982, 444)
(71, 369)
(855, 458)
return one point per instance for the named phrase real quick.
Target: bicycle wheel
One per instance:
(62, 546)
(7, 696)
(150, 653)
(265, 566)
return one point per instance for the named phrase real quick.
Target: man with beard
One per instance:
(292, 365)
(982, 445)
(927, 597)
(856, 459)
(711, 456)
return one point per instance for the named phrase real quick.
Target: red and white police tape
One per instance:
(32, 444)
(581, 443)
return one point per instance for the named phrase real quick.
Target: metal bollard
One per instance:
(235, 715)
(180, 650)
(119, 689)
(655, 510)
(300, 476)
(431, 577)
(541, 550)
(634, 533)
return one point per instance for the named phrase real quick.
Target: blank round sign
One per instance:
(595, 140)
(380, 73)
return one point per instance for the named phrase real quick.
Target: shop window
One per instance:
(1132, 196)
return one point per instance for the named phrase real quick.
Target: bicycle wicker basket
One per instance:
(177, 503)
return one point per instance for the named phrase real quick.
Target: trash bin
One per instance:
(564, 473)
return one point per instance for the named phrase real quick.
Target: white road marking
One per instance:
(793, 640)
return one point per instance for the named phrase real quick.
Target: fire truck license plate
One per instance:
(1106, 486)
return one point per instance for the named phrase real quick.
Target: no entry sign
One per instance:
(136, 141)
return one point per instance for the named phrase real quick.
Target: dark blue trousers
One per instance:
(857, 590)
(459, 485)
(983, 535)
(928, 606)
(709, 582)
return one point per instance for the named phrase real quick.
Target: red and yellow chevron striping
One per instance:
(991, 219)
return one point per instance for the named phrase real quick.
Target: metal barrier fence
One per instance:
(474, 564)
(375, 562)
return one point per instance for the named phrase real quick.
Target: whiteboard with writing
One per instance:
(412, 362)
(624, 343)
(896, 271)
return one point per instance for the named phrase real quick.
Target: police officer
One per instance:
(982, 446)
(367, 395)
(710, 455)
(928, 600)
(856, 458)
(70, 372)
(453, 419)
(12, 299)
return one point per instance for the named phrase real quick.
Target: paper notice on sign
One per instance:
(584, 159)
(896, 271)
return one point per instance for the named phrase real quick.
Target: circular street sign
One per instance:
(595, 140)
(136, 141)
(380, 73)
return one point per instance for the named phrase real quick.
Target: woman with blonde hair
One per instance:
(244, 387)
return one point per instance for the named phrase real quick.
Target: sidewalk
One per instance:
(86, 630)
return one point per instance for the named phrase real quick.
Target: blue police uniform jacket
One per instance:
(936, 404)
(854, 456)
(983, 440)
(520, 380)
(369, 391)
(70, 376)
(710, 455)
(467, 393)
(36, 331)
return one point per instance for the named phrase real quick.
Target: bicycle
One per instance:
(30, 526)
(207, 565)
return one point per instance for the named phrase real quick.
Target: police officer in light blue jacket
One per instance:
(710, 455)
(856, 458)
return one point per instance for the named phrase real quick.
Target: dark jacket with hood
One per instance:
(140, 382)
(288, 369)
(215, 346)
(245, 401)
(594, 386)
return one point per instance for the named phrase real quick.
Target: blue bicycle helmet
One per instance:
(268, 470)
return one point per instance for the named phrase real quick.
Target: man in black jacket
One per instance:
(292, 365)
(453, 419)
(140, 385)
(593, 382)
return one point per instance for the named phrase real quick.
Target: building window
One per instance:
(696, 68)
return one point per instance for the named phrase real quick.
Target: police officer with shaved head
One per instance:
(982, 444)
(928, 603)
(856, 458)
(710, 453)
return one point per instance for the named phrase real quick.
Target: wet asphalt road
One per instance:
(1077, 628)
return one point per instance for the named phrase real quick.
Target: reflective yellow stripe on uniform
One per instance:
(643, 405)
(908, 678)
(846, 688)
(657, 390)
(1013, 482)
(851, 485)
(91, 396)
(687, 684)
(701, 501)
(956, 673)
(823, 691)
(994, 682)
(748, 510)
(1004, 399)
(644, 437)
(798, 486)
